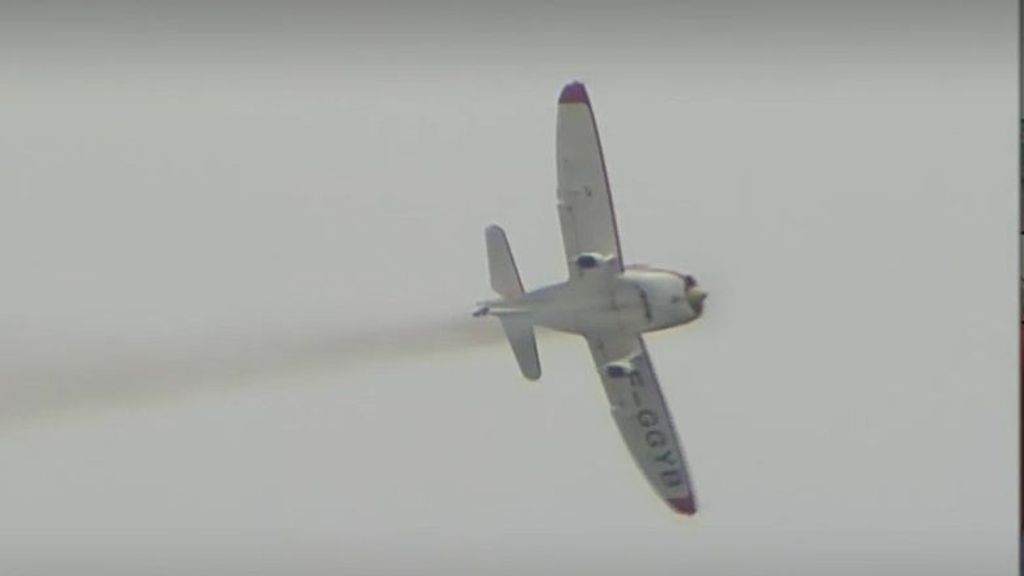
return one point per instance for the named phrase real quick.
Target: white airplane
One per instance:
(609, 304)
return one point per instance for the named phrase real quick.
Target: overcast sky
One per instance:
(240, 242)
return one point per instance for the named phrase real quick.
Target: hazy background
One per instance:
(239, 242)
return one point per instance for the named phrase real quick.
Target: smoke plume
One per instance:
(40, 381)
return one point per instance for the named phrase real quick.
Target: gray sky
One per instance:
(239, 242)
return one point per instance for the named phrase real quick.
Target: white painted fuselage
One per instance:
(634, 301)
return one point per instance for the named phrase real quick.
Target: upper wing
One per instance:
(643, 418)
(584, 198)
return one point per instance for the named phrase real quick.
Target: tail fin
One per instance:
(504, 275)
(520, 335)
(505, 281)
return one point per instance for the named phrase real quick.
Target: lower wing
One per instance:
(643, 417)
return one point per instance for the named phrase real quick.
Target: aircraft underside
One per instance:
(610, 305)
(583, 309)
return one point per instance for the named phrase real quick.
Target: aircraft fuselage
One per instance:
(634, 301)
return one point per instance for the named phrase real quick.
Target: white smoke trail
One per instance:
(37, 383)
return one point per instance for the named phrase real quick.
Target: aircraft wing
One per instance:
(584, 197)
(643, 417)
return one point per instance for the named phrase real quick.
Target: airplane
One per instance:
(609, 304)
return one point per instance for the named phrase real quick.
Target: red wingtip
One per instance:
(683, 505)
(574, 93)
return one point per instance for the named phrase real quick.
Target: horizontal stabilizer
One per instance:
(524, 345)
(504, 275)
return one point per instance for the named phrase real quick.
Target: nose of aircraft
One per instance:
(695, 296)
